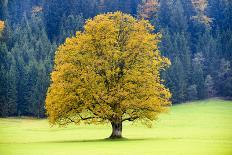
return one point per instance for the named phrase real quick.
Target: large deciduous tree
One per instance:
(110, 72)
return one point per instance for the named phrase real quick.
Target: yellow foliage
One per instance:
(2, 25)
(108, 72)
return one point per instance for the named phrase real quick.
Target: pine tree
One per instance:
(225, 79)
(198, 74)
(32, 49)
(178, 20)
(70, 26)
(3, 78)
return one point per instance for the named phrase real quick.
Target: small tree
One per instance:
(110, 72)
(209, 87)
(200, 7)
(148, 9)
(192, 92)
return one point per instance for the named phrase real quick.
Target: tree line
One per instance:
(196, 37)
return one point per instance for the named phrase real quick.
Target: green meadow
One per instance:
(194, 128)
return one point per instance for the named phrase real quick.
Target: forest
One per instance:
(196, 37)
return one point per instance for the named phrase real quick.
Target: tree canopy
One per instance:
(110, 72)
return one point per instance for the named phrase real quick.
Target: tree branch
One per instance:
(130, 119)
(86, 118)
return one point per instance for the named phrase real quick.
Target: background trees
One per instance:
(34, 28)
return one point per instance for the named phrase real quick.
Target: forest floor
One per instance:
(194, 128)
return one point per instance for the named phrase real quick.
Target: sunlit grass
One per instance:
(197, 128)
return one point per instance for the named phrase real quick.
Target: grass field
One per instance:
(197, 128)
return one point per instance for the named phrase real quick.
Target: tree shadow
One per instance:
(112, 140)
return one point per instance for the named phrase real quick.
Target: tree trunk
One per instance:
(116, 130)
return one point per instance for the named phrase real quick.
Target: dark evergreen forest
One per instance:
(196, 37)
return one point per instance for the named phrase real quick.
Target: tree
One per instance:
(148, 9)
(32, 54)
(164, 13)
(110, 72)
(3, 71)
(192, 92)
(209, 87)
(177, 81)
(225, 78)
(178, 20)
(11, 88)
(69, 26)
(200, 6)
(3, 78)
(198, 76)
(3, 9)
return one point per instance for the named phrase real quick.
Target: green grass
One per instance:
(198, 128)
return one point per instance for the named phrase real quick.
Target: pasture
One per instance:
(194, 128)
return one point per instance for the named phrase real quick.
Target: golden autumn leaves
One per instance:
(110, 72)
(2, 26)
